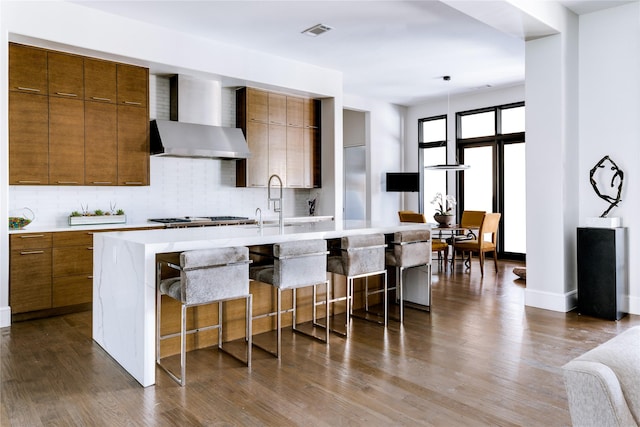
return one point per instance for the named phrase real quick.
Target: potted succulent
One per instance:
(444, 211)
(86, 217)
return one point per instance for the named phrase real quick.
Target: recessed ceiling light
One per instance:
(316, 30)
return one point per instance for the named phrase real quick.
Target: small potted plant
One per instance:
(444, 209)
(87, 217)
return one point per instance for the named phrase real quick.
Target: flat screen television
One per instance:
(403, 181)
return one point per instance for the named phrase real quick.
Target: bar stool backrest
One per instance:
(363, 254)
(411, 247)
(214, 274)
(300, 263)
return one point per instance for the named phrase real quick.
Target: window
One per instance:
(432, 136)
(491, 142)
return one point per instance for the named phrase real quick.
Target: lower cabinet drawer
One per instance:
(72, 260)
(72, 290)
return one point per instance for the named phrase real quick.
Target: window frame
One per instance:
(498, 140)
(426, 145)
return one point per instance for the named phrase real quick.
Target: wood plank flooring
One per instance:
(480, 358)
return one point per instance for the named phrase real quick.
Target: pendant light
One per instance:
(448, 166)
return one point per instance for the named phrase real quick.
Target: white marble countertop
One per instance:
(34, 228)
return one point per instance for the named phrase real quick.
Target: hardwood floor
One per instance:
(479, 358)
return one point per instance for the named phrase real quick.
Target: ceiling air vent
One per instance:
(316, 30)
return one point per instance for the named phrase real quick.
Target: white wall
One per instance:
(177, 185)
(385, 141)
(609, 121)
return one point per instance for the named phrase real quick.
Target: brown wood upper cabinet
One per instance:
(75, 120)
(295, 111)
(99, 80)
(288, 146)
(27, 69)
(257, 106)
(100, 143)
(66, 141)
(133, 85)
(28, 139)
(66, 75)
(277, 109)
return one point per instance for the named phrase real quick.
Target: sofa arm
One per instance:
(595, 396)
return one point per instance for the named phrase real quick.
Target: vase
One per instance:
(444, 220)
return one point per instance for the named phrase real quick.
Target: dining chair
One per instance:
(439, 246)
(480, 245)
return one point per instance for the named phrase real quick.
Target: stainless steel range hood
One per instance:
(177, 139)
(195, 112)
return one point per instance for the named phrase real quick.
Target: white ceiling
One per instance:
(396, 51)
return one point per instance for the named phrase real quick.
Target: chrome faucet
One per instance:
(259, 211)
(277, 201)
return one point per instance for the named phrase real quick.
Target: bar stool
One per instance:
(295, 265)
(206, 276)
(410, 248)
(361, 256)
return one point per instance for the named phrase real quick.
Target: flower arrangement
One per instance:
(445, 204)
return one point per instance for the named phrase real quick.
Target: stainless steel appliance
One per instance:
(203, 221)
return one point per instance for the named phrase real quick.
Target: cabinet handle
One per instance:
(90, 248)
(66, 94)
(90, 277)
(28, 89)
(67, 182)
(29, 182)
(132, 183)
(97, 98)
(31, 252)
(101, 182)
(132, 103)
(32, 236)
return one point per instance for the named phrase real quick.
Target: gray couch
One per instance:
(603, 385)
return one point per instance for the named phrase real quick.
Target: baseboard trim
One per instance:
(551, 301)
(5, 317)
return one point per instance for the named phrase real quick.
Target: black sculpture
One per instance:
(605, 165)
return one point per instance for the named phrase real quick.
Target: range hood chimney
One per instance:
(197, 134)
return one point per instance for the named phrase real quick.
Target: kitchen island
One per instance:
(124, 277)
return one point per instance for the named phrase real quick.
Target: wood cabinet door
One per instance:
(308, 156)
(133, 145)
(278, 152)
(295, 111)
(66, 75)
(100, 143)
(311, 113)
(72, 260)
(28, 139)
(30, 279)
(133, 85)
(258, 163)
(27, 69)
(277, 109)
(295, 157)
(72, 290)
(66, 141)
(99, 80)
(257, 106)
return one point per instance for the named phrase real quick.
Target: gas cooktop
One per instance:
(203, 221)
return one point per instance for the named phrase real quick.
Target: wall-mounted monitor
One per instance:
(403, 181)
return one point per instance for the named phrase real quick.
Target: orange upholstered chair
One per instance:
(489, 225)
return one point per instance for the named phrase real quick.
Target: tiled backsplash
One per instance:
(178, 187)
